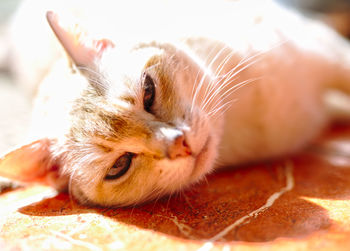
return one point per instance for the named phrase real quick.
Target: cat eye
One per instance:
(120, 167)
(149, 92)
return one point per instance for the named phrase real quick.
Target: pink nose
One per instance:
(179, 148)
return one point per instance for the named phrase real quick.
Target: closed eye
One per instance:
(149, 93)
(120, 167)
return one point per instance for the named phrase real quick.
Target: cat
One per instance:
(193, 86)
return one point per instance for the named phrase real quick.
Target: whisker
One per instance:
(238, 86)
(210, 114)
(96, 78)
(227, 81)
(231, 91)
(223, 63)
(199, 86)
(89, 70)
(98, 83)
(215, 94)
(205, 60)
(194, 87)
(228, 77)
(209, 87)
(242, 69)
(224, 109)
(248, 58)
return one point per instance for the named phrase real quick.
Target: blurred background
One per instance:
(334, 12)
(15, 107)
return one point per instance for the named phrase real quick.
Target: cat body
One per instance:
(157, 105)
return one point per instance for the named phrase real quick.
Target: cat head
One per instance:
(139, 130)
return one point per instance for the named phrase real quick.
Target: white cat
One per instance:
(171, 91)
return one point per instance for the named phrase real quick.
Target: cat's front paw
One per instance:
(7, 185)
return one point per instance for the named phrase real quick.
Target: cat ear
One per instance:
(31, 163)
(84, 50)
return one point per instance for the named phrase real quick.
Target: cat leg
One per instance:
(333, 69)
(336, 57)
(7, 184)
(337, 95)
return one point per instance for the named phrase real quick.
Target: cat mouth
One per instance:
(201, 164)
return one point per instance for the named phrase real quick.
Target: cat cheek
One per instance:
(204, 162)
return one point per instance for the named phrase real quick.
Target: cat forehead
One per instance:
(120, 70)
(92, 117)
(130, 61)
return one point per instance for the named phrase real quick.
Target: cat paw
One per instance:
(8, 185)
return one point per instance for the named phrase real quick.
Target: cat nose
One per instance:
(179, 148)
